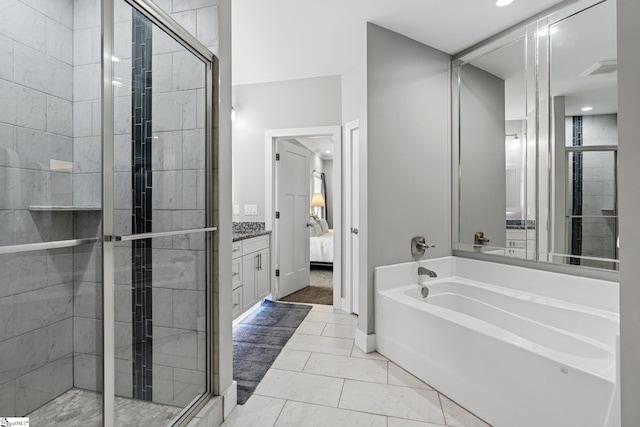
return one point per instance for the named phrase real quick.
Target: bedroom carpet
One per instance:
(319, 291)
(258, 339)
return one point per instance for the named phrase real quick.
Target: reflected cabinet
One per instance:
(535, 140)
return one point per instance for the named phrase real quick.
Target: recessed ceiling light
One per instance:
(328, 151)
(547, 31)
(587, 108)
(501, 3)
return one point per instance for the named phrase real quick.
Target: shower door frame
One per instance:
(163, 21)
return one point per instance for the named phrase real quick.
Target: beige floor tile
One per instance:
(339, 331)
(259, 411)
(347, 367)
(301, 387)
(373, 355)
(310, 328)
(339, 318)
(398, 422)
(398, 376)
(393, 401)
(458, 416)
(339, 346)
(297, 414)
(322, 307)
(291, 360)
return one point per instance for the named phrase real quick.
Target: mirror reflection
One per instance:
(583, 88)
(538, 142)
(493, 153)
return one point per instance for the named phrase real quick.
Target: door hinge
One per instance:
(277, 215)
(277, 273)
(277, 157)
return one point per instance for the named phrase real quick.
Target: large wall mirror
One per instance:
(535, 140)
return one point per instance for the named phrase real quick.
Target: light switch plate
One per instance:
(236, 209)
(251, 209)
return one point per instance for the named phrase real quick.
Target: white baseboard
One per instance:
(364, 342)
(230, 399)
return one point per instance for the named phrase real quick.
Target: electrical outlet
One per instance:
(236, 209)
(251, 209)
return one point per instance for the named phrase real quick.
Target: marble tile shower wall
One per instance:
(36, 154)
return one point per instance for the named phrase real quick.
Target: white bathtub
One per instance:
(517, 347)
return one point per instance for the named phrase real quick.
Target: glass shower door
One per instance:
(161, 233)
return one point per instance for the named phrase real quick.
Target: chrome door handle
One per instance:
(354, 230)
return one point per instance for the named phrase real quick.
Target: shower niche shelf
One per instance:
(65, 208)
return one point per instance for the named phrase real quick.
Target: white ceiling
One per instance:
(322, 146)
(278, 40)
(577, 43)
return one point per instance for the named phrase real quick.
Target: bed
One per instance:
(321, 249)
(320, 242)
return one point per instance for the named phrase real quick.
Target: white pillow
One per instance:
(315, 229)
(323, 225)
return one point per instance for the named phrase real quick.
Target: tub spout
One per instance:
(425, 271)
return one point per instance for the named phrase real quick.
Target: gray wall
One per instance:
(629, 204)
(408, 150)
(482, 156)
(280, 105)
(223, 353)
(351, 95)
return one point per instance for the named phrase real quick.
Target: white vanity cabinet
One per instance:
(520, 242)
(250, 272)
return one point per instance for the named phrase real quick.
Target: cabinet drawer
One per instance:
(519, 244)
(236, 301)
(236, 273)
(255, 244)
(236, 250)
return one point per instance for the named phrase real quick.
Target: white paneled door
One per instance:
(293, 176)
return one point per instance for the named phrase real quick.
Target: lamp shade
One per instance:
(317, 199)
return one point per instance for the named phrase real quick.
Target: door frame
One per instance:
(350, 303)
(335, 133)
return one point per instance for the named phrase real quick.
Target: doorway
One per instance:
(320, 224)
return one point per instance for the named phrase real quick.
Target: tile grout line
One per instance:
(444, 417)
(306, 362)
(341, 391)
(279, 413)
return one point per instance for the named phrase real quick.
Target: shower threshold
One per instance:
(78, 407)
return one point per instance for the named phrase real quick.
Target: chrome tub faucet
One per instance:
(424, 291)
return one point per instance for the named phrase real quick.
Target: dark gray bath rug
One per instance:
(258, 339)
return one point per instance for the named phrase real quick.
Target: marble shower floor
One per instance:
(84, 408)
(321, 379)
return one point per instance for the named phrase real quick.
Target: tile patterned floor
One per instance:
(83, 408)
(322, 379)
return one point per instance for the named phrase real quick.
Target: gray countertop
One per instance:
(249, 234)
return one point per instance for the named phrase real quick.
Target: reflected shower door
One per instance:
(592, 220)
